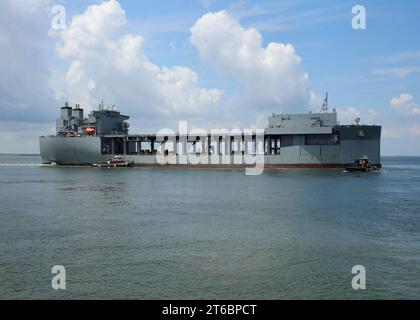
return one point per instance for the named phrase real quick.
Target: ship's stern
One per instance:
(83, 150)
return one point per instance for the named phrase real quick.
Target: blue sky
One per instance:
(372, 73)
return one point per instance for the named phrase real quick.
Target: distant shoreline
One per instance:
(37, 154)
(20, 154)
(401, 156)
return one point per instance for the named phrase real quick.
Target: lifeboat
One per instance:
(90, 131)
(71, 134)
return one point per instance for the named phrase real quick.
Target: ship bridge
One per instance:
(308, 123)
(287, 130)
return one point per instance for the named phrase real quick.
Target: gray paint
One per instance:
(344, 145)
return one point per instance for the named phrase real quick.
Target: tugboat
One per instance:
(362, 165)
(117, 161)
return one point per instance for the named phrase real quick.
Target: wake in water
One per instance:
(22, 164)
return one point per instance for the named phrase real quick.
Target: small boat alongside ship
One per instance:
(363, 164)
(116, 161)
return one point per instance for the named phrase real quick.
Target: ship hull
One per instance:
(71, 150)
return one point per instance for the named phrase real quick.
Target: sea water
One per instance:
(156, 233)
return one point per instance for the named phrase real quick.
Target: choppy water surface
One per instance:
(191, 234)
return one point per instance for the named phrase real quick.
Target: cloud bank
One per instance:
(24, 69)
(272, 75)
(114, 67)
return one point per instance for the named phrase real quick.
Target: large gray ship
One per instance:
(307, 140)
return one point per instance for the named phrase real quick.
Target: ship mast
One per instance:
(325, 104)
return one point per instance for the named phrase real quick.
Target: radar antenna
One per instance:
(325, 104)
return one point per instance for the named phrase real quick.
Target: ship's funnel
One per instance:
(66, 111)
(77, 111)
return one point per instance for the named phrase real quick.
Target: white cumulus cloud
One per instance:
(272, 75)
(105, 64)
(405, 104)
